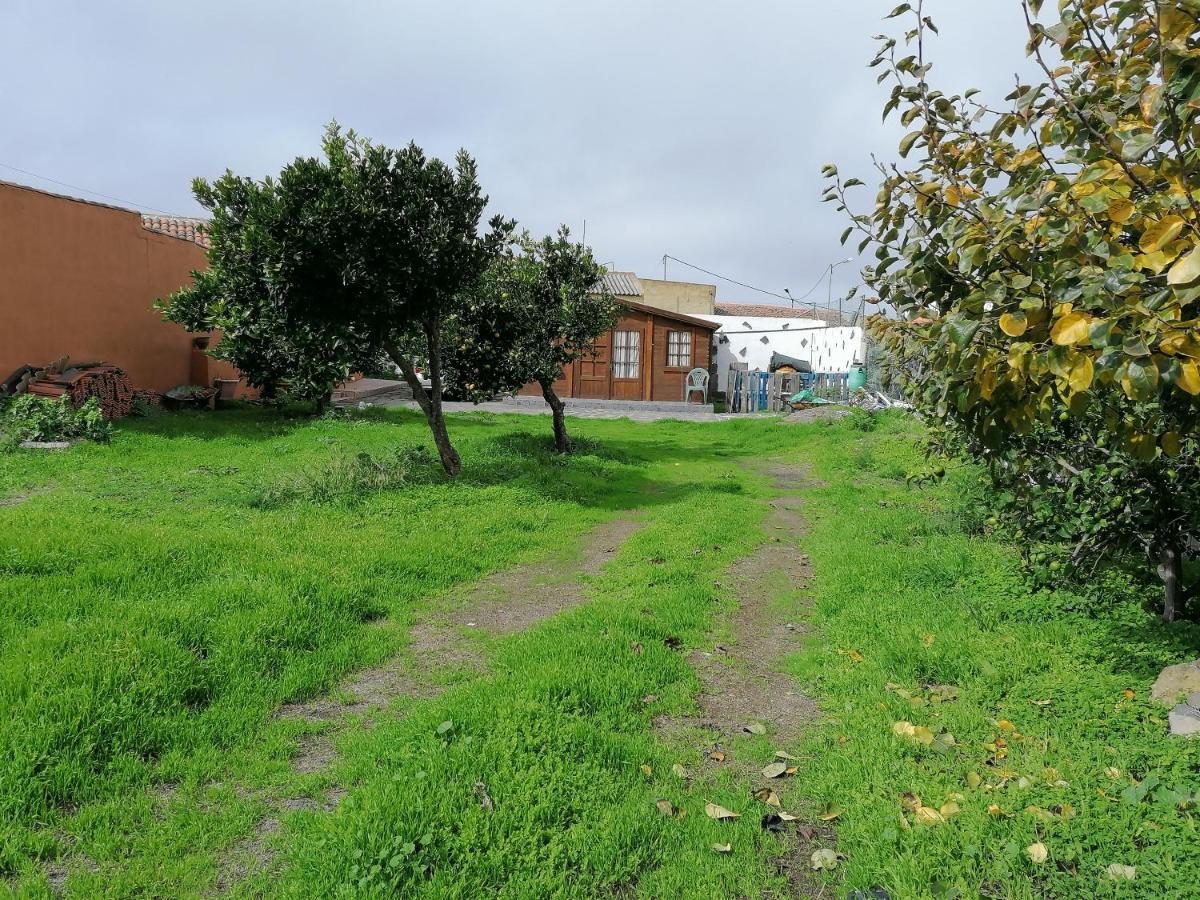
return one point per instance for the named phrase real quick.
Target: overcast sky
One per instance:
(695, 129)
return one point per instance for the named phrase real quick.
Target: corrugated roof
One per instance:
(182, 227)
(621, 284)
(769, 310)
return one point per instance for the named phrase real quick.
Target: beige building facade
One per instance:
(683, 297)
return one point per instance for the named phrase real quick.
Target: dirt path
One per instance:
(505, 603)
(741, 684)
(740, 681)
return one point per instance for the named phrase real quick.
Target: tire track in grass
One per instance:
(505, 603)
(741, 683)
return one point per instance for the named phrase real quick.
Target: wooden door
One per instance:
(627, 365)
(593, 370)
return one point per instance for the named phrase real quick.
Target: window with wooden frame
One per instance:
(627, 354)
(679, 349)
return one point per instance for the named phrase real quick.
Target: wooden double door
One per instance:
(614, 368)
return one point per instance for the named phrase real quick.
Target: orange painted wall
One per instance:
(80, 279)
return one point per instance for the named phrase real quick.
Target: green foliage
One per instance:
(251, 298)
(162, 653)
(340, 261)
(1045, 259)
(862, 419)
(533, 312)
(905, 576)
(349, 480)
(32, 418)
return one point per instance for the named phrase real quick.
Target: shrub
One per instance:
(33, 418)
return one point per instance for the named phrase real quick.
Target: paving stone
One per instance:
(1193, 700)
(1184, 721)
(1183, 678)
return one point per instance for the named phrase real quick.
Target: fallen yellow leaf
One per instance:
(713, 811)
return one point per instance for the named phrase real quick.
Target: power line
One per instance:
(750, 287)
(75, 187)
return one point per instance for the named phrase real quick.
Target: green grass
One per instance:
(909, 578)
(161, 596)
(164, 594)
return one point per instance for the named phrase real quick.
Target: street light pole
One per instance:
(829, 301)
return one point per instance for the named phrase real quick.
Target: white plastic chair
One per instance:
(697, 380)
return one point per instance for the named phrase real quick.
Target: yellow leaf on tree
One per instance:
(1187, 271)
(1178, 343)
(1189, 378)
(1121, 211)
(1014, 324)
(1071, 329)
(1161, 233)
(1158, 261)
(1082, 372)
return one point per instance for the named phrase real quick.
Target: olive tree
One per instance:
(537, 309)
(1044, 257)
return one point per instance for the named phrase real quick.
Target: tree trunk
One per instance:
(1170, 570)
(562, 441)
(430, 401)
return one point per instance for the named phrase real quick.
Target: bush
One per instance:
(33, 418)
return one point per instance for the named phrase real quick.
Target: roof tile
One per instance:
(181, 227)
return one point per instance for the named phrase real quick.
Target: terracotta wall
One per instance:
(80, 279)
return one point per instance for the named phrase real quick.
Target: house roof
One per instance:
(671, 314)
(772, 311)
(621, 284)
(182, 227)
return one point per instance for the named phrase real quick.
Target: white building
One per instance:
(751, 333)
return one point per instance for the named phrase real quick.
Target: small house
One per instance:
(646, 356)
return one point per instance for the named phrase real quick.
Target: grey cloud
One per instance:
(695, 129)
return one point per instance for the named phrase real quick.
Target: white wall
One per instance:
(752, 340)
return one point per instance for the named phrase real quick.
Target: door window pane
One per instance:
(627, 347)
(679, 348)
